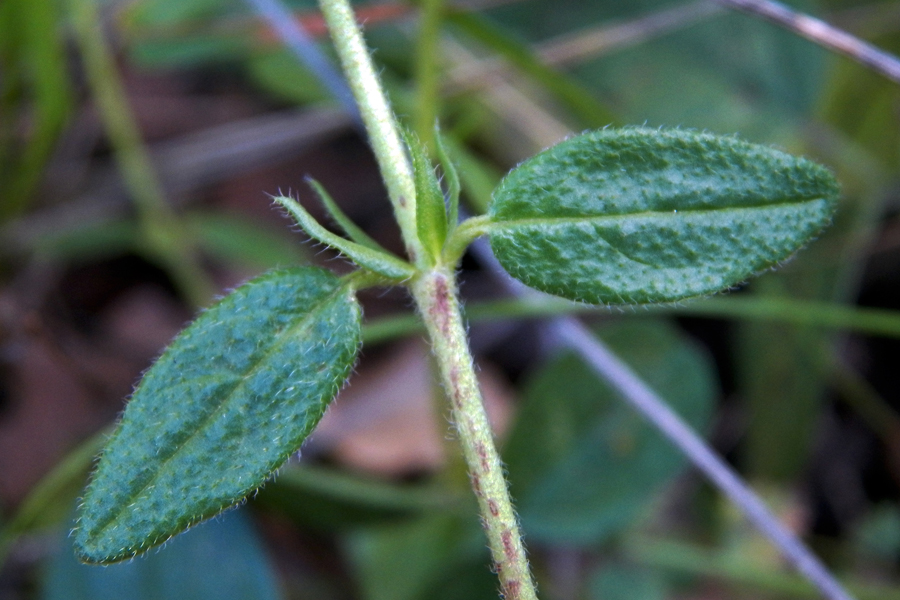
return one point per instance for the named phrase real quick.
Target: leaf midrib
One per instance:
(501, 223)
(280, 340)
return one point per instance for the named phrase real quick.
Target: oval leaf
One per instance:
(582, 464)
(225, 405)
(640, 215)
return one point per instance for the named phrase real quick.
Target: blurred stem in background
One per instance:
(32, 67)
(427, 70)
(163, 237)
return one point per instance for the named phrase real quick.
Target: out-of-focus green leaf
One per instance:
(729, 72)
(325, 499)
(878, 536)
(174, 13)
(161, 52)
(582, 464)
(625, 582)
(434, 554)
(222, 559)
(783, 385)
(235, 394)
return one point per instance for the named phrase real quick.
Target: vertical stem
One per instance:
(435, 294)
(378, 119)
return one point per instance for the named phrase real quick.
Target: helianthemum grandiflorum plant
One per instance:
(631, 215)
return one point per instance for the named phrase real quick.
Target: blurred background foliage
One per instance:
(138, 141)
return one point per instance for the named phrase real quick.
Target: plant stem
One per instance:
(434, 290)
(378, 119)
(435, 294)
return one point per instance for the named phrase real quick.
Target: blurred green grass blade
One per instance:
(584, 466)
(175, 14)
(164, 238)
(224, 237)
(34, 54)
(279, 73)
(326, 499)
(826, 315)
(239, 241)
(684, 558)
(47, 503)
(427, 70)
(784, 392)
(576, 98)
(223, 559)
(92, 242)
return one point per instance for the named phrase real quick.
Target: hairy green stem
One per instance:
(164, 238)
(435, 294)
(434, 290)
(378, 119)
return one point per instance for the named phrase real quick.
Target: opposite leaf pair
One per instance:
(614, 216)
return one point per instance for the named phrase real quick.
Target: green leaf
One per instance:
(449, 170)
(436, 553)
(378, 261)
(582, 464)
(431, 211)
(225, 405)
(614, 581)
(222, 559)
(639, 215)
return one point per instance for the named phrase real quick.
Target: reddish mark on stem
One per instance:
(509, 548)
(441, 308)
(492, 506)
(476, 484)
(512, 590)
(455, 392)
(482, 455)
(402, 201)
